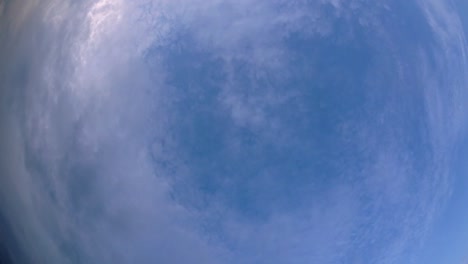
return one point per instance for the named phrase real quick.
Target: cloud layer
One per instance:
(227, 131)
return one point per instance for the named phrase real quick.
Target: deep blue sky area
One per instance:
(233, 131)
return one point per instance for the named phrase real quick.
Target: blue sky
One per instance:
(447, 242)
(233, 131)
(449, 239)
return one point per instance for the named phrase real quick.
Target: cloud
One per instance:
(124, 149)
(78, 179)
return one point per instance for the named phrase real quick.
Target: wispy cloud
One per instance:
(114, 146)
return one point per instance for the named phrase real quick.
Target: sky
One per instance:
(222, 131)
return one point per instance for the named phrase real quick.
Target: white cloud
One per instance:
(80, 181)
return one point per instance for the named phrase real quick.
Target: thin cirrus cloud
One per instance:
(105, 163)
